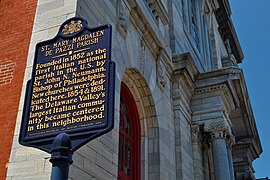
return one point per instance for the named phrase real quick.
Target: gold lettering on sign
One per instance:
(69, 88)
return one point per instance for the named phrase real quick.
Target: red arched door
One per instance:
(129, 137)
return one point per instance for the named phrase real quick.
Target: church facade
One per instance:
(182, 109)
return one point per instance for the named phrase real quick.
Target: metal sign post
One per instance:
(61, 157)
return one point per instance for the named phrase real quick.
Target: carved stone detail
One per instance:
(123, 18)
(230, 141)
(200, 135)
(211, 88)
(151, 6)
(195, 129)
(243, 148)
(142, 56)
(161, 74)
(248, 175)
(218, 129)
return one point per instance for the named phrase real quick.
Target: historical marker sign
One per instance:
(72, 87)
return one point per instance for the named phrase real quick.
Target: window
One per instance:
(129, 138)
(206, 44)
(195, 24)
(184, 16)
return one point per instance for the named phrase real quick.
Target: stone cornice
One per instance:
(185, 62)
(161, 12)
(148, 28)
(229, 84)
(247, 147)
(234, 80)
(214, 4)
(221, 90)
(246, 109)
(231, 81)
(149, 31)
(226, 28)
(185, 71)
(219, 82)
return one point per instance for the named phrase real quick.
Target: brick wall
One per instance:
(16, 22)
(7, 68)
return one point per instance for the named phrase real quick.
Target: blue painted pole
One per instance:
(61, 157)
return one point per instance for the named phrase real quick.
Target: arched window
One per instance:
(129, 137)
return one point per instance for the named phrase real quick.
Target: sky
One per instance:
(251, 20)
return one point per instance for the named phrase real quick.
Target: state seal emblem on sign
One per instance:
(72, 27)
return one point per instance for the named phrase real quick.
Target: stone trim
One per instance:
(212, 88)
(241, 148)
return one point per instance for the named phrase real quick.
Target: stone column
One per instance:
(220, 131)
(220, 157)
(230, 143)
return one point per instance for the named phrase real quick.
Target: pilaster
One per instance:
(197, 142)
(183, 85)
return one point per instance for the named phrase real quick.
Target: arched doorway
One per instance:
(129, 137)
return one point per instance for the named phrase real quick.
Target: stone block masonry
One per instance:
(16, 19)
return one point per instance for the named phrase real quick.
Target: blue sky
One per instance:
(252, 23)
